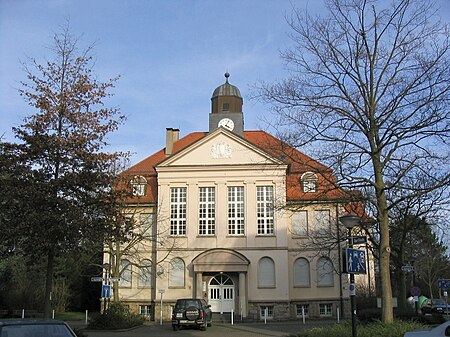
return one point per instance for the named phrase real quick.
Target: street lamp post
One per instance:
(349, 221)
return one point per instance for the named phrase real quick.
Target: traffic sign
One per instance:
(106, 291)
(407, 268)
(358, 240)
(444, 283)
(355, 261)
(97, 279)
(415, 291)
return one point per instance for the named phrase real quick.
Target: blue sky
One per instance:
(171, 55)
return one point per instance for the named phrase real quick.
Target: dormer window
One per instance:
(309, 182)
(139, 186)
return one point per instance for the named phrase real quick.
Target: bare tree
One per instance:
(367, 94)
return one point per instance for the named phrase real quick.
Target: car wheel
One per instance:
(203, 327)
(192, 313)
(175, 327)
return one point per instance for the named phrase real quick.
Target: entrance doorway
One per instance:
(221, 293)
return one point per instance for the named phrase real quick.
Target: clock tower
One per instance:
(226, 108)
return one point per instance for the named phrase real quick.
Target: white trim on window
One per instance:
(236, 207)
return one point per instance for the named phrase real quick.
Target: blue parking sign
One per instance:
(106, 291)
(355, 261)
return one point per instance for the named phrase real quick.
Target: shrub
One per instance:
(396, 329)
(117, 316)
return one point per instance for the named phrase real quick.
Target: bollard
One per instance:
(53, 314)
(303, 313)
(337, 314)
(23, 313)
(232, 317)
(86, 319)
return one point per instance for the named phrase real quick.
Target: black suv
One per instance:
(191, 312)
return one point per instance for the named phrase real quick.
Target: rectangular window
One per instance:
(264, 210)
(144, 310)
(302, 309)
(207, 211)
(236, 220)
(323, 226)
(326, 309)
(266, 311)
(145, 223)
(178, 211)
(300, 223)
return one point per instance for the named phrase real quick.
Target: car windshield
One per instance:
(35, 330)
(438, 302)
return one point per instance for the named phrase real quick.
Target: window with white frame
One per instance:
(264, 210)
(302, 309)
(144, 310)
(125, 273)
(266, 273)
(302, 273)
(178, 211)
(146, 222)
(266, 311)
(236, 216)
(176, 273)
(138, 186)
(325, 272)
(309, 182)
(145, 273)
(299, 221)
(325, 309)
(323, 225)
(207, 211)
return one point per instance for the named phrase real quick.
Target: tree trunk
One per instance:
(49, 283)
(387, 311)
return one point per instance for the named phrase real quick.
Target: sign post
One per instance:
(161, 291)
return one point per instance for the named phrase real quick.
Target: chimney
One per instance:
(172, 135)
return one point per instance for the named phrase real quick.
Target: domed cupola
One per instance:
(226, 108)
(226, 98)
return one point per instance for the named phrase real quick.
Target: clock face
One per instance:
(226, 123)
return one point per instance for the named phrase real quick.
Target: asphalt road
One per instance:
(275, 329)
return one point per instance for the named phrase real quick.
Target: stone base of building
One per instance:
(260, 311)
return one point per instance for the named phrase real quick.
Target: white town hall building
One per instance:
(231, 217)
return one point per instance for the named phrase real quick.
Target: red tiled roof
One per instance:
(298, 162)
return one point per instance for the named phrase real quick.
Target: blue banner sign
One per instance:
(444, 283)
(106, 291)
(355, 261)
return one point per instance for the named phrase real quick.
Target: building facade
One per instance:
(236, 217)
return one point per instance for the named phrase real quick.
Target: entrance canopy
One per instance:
(225, 260)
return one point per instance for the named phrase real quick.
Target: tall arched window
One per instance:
(176, 273)
(301, 273)
(125, 274)
(266, 273)
(325, 272)
(145, 273)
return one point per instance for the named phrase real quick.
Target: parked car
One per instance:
(442, 330)
(191, 312)
(34, 328)
(435, 306)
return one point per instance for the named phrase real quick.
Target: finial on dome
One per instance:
(227, 74)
